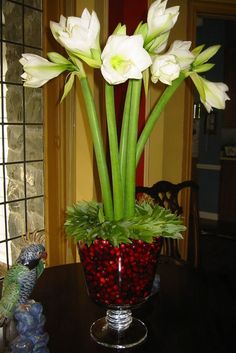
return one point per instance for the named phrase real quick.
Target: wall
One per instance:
(164, 153)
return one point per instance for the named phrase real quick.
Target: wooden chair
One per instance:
(168, 195)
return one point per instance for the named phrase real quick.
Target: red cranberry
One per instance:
(119, 275)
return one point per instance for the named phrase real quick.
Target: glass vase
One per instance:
(119, 278)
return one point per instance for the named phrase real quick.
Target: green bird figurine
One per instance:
(20, 279)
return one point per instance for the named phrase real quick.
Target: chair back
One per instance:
(168, 195)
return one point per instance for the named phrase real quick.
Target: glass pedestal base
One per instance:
(118, 330)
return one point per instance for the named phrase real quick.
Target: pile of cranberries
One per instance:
(119, 275)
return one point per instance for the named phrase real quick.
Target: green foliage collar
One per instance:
(86, 221)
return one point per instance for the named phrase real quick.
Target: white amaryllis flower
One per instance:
(38, 71)
(160, 19)
(182, 53)
(124, 58)
(165, 68)
(79, 35)
(212, 94)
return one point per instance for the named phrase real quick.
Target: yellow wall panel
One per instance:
(164, 153)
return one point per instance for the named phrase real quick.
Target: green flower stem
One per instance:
(114, 153)
(131, 149)
(155, 115)
(124, 133)
(98, 148)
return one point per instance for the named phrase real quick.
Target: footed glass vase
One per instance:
(119, 278)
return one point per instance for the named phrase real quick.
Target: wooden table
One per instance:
(180, 318)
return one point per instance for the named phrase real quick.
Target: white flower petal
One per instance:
(38, 70)
(57, 27)
(182, 53)
(165, 68)
(112, 76)
(160, 19)
(78, 34)
(85, 15)
(214, 94)
(124, 58)
(33, 59)
(32, 82)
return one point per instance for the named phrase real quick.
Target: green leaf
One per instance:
(96, 54)
(142, 29)
(146, 81)
(158, 42)
(196, 51)
(88, 59)
(57, 58)
(151, 37)
(68, 85)
(204, 67)
(206, 55)
(75, 60)
(101, 216)
(148, 46)
(138, 28)
(77, 65)
(199, 84)
(120, 29)
(91, 62)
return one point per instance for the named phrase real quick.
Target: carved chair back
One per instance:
(168, 195)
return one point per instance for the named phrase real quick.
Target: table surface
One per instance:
(183, 317)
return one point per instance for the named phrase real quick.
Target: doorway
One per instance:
(213, 136)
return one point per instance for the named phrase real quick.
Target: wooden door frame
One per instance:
(196, 8)
(57, 118)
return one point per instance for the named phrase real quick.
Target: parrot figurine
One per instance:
(21, 279)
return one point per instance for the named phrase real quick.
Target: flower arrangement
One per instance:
(138, 58)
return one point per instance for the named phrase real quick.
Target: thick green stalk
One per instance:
(131, 149)
(124, 134)
(98, 148)
(155, 115)
(114, 153)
